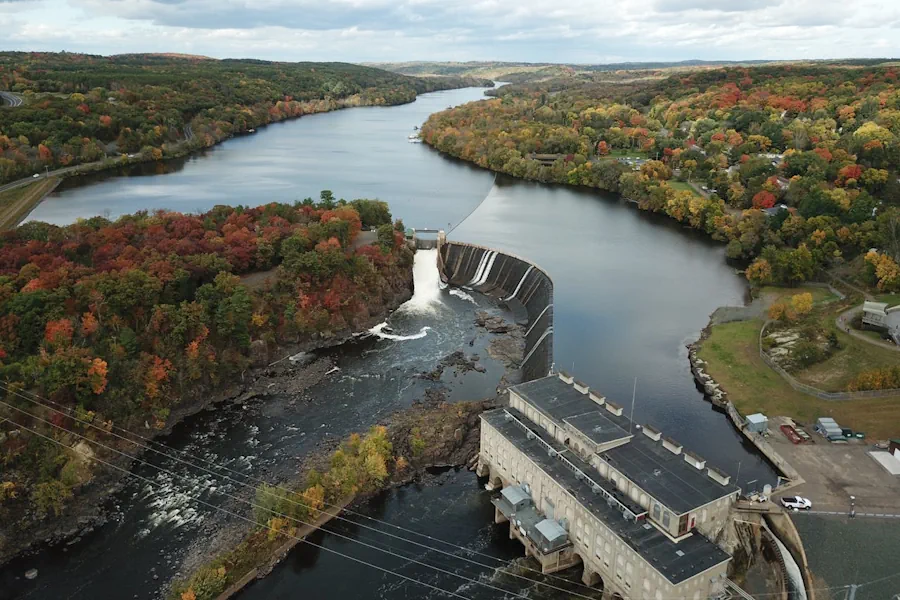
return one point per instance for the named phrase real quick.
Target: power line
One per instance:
(285, 533)
(274, 513)
(151, 483)
(299, 503)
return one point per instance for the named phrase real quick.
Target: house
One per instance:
(875, 314)
(771, 212)
(782, 182)
(636, 509)
(774, 158)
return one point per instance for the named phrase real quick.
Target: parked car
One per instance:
(796, 502)
(36, 175)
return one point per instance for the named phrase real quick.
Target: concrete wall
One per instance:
(525, 288)
(603, 553)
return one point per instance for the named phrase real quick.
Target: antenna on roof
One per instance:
(633, 395)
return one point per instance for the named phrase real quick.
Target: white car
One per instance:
(36, 175)
(796, 503)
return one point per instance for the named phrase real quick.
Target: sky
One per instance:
(571, 31)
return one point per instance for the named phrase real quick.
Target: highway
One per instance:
(11, 100)
(26, 180)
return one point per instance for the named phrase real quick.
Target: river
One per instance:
(630, 290)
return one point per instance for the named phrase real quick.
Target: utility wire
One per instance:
(273, 512)
(285, 533)
(299, 503)
(152, 484)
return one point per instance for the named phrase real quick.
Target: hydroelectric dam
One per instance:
(523, 286)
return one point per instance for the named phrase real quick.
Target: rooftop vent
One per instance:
(648, 526)
(694, 460)
(671, 445)
(581, 387)
(613, 408)
(718, 476)
(529, 434)
(679, 553)
(565, 377)
(597, 398)
(652, 432)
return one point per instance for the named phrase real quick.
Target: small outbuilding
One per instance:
(758, 423)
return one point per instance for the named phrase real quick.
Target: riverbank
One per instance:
(420, 438)
(17, 202)
(188, 147)
(270, 375)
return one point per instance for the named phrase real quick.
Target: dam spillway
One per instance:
(523, 286)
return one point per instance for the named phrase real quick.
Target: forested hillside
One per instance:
(796, 167)
(127, 321)
(80, 108)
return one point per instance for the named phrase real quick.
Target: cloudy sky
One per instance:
(580, 31)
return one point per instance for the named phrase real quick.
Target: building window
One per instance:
(629, 571)
(682, 524)
(667, 519)
(598, 547)
(656, 512)
(620, 571)
(607, 554)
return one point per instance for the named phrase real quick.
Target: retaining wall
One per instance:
(523, 286)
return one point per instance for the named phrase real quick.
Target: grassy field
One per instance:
(15, 204)
(682, 186)
(732, 357)
(819, 295)
(891, 299)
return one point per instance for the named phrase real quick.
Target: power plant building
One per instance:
(580, 483)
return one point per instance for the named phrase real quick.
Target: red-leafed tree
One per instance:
(764, 199)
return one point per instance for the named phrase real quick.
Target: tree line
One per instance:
(801, 162)
(82, 108)
(125, 321)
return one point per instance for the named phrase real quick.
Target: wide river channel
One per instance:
(630, 291)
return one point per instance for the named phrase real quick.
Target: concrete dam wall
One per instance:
(524, 287)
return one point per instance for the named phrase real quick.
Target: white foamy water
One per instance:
(427, 282)
(378, 330)
(461, 294)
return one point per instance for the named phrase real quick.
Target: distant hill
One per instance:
(522, 72)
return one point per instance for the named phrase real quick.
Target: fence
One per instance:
(808, 389)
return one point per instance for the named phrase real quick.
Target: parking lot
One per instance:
(834, 472)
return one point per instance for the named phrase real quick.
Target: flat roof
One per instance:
(597, 426)
(676, 561)
(666, 476)
(555, 398)
(663, 475)
(757, 418)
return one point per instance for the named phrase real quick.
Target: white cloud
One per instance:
(516, 30)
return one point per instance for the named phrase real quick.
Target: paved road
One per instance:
(10, 99)
(26, 180)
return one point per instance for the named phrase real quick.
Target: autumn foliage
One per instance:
(127, 320)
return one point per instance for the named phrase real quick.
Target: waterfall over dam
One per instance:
(524, 287)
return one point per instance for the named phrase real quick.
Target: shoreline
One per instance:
(451, 433)
(90, 512)
(180, 149)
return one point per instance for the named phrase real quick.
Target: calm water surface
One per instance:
(630, 291)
